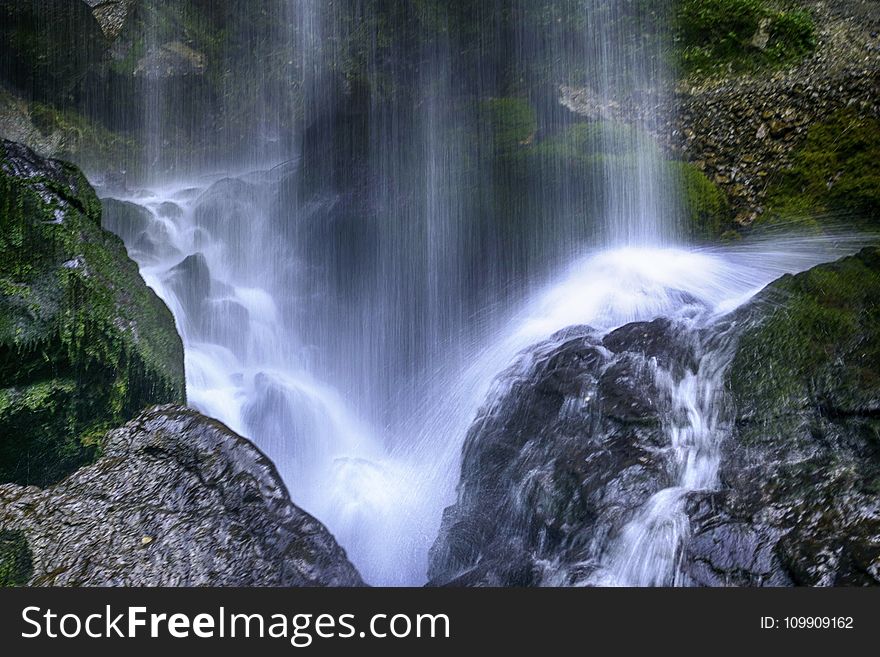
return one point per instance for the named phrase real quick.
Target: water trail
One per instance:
(648, 550)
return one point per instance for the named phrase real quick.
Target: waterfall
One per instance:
(386, 240)
(648, 550)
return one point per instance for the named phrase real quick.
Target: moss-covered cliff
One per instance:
(84, 343)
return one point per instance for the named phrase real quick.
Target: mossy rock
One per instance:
(705, 207)
(16, 561)
(801, 466)
(721, 36)
(812, 338)
(585, 154)
(512, 121)
(84, 343)
(833, 173)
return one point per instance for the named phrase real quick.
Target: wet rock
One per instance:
(191, 281)
(556, 465)
(111, 15)
(799, 503)
(174, 59)
(84, 343)
(125, 219)
(176, 500)
(169, 210)
(572, 446)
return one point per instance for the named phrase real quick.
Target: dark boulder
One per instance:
(572, 446)
(191, 281)
(568, 451)
(125, 219)
(176, 500)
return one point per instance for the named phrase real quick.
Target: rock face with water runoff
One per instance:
(177, 499)
(84, 343)
(799, 502)
(559, 468)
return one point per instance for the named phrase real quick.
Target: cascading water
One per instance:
(350, 308)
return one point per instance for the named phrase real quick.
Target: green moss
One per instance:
(590, 152)
(89, 143)
(512, 122)
(84, 343)
(16, 561)
(834, 172)
(813, 335)
(705, 207)
(715, 36)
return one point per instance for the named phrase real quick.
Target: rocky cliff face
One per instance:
(744, 131)
(177, 499)
(84, 343)
(574, 444)
(743, 121)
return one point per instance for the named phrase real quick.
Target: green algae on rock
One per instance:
(801, 471)
(16, 560)
(834, 171)
(84, 343)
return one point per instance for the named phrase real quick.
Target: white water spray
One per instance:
(353, 334)
(382, 495)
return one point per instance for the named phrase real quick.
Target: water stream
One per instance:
(346, 301)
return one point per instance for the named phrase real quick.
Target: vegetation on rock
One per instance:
(834, 172)
(587, 151)
(817, 340)
(512, 122)
(84, 343)
(718, 36)
(801, 471)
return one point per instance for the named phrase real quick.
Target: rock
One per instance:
(16, 566)
(762, 35)
(191, 281)
(177, 499)
(111, 15)
(572, 446)
(170, 210)
(800, 504)
(561, 459)
(84, 343)
(125, 219)
(173, 59)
